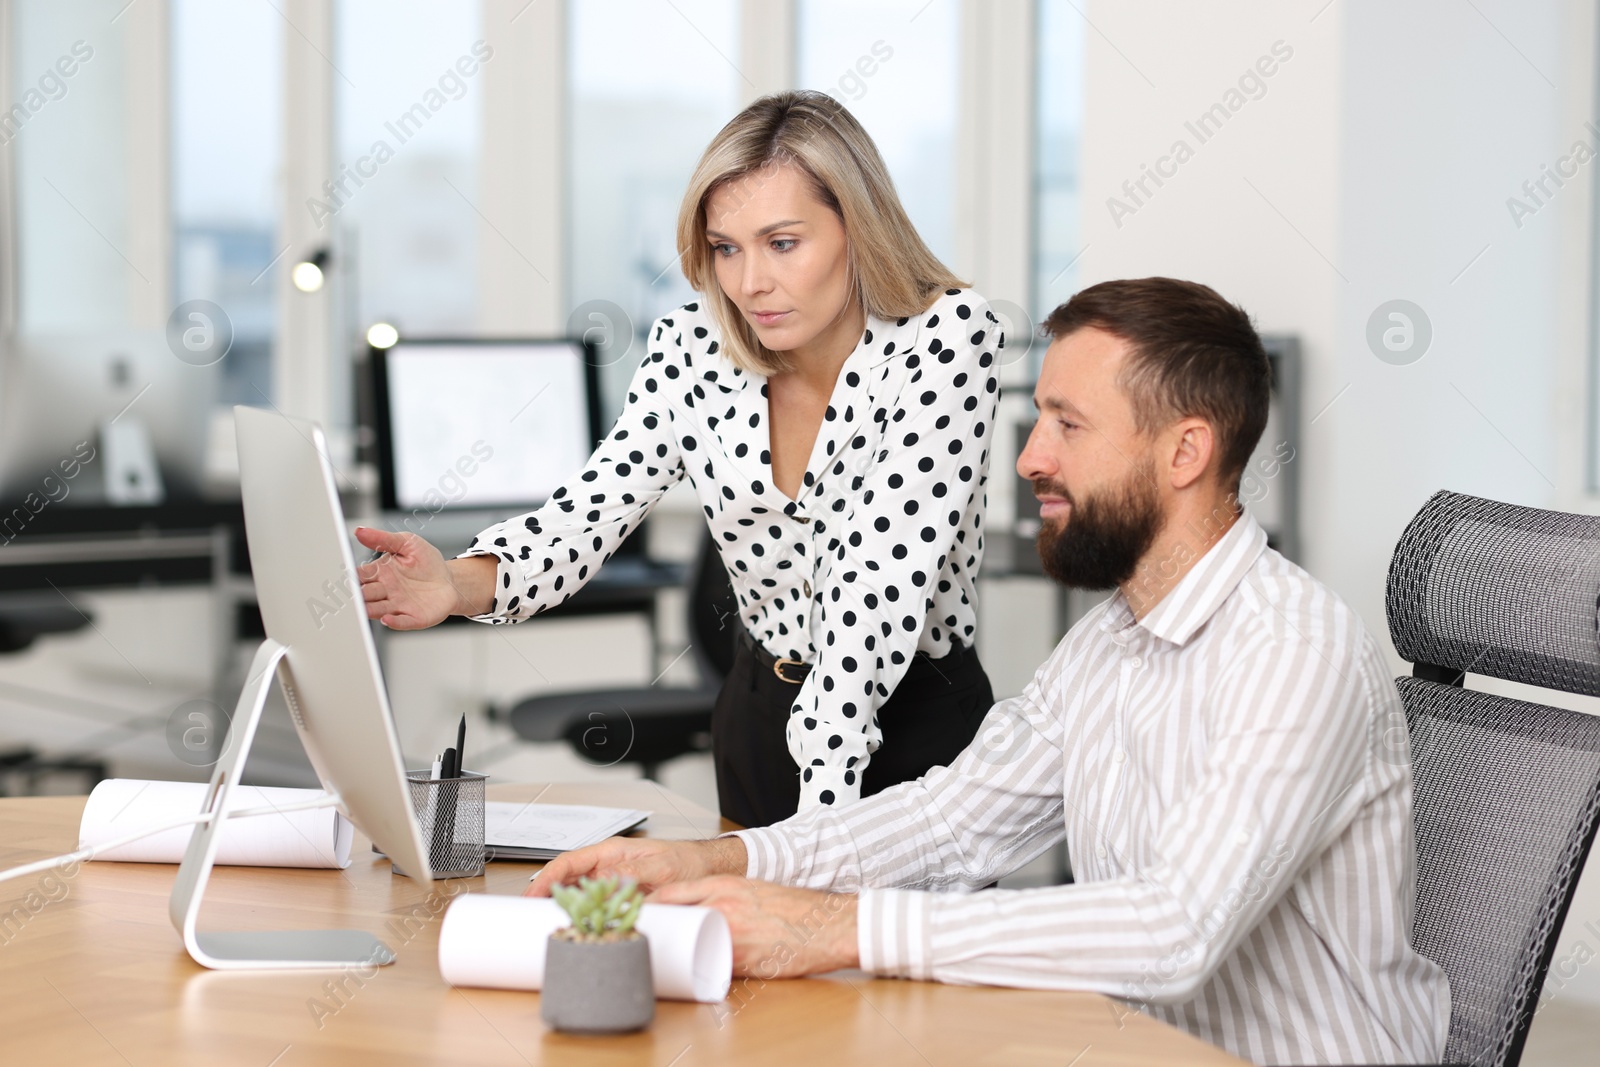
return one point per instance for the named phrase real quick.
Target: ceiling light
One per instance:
(307, 275)
(382, 335)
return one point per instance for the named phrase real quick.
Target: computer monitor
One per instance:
(319, 648)
(59, 390)
(482, 425)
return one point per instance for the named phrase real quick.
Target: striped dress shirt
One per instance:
(1232, 777)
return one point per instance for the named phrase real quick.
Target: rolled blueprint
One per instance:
(317, 837)
(499, 941)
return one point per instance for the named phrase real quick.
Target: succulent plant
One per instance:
(601, 909)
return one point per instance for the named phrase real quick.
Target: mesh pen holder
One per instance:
(450, 812)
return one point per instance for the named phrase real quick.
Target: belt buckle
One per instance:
(777, 669)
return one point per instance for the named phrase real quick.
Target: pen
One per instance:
(461, 745)
(433, 794)
(444, 836)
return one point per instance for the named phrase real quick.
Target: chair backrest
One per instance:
(713, 614)
(1507, 792)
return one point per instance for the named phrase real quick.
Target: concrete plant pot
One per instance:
(597, 987)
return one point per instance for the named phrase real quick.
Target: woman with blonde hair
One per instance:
(830, 398)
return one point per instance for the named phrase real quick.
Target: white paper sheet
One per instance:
(498, 942)
(318, 837)
(551, 829)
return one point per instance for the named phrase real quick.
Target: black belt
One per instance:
(794, 671)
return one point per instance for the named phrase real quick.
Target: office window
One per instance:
(79, 266)
(227, 88)
(408, 99)
(896, 65)
(1059, 122)
(651, 83)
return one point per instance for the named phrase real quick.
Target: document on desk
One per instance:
(317, 837)
(525, 831)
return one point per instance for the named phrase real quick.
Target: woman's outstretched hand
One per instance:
(413, 587)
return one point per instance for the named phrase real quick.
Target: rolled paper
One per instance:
(498, 942)
(317, 837)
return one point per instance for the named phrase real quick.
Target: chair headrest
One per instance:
(1498, 589)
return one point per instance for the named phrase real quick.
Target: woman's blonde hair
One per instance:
(893, 272)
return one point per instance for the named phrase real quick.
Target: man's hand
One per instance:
(652, 864)
(778, 931)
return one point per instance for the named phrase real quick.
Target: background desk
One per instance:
(99, 976)
(67, 550)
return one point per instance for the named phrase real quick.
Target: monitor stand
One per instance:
(254, 949)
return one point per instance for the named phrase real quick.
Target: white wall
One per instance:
(1443, 120)
(1375, 165)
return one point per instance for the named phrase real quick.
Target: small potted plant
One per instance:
(597, 976)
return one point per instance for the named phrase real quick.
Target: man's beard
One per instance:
(1105, 535)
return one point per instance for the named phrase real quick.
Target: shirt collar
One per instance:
(1209, 583)
(882, 340)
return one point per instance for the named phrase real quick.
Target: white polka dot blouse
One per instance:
(875, 561)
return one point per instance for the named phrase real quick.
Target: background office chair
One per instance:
(1507, 791)
(648, 725)
(24, 618)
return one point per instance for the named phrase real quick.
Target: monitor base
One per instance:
(254, 949)
(231, 949)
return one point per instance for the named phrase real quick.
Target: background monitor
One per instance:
(55, 391)
(482, 425)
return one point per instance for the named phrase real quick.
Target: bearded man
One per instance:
(1219, 743)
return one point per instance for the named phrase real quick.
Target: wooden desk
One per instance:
(99, 976)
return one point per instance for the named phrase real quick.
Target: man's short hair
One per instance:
(1192, 354)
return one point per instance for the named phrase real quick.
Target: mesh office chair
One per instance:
(648, 725)
(1507, 791)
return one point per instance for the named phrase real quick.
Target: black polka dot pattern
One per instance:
(875, 561)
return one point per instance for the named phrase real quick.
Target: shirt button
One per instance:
(808, 588)
(801, 518)
(1100, 851)
(1136, 662)
(1243, 837)
(1118, 756)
